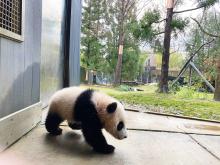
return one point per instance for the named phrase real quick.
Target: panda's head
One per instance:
(114, 120)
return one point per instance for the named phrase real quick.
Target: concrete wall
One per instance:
(20, 64)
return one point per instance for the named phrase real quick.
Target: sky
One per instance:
(161, 4)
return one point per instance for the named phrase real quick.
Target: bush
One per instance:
(174, 88)
(191, 93)
(124, 88)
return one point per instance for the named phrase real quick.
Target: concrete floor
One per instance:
(152, 140)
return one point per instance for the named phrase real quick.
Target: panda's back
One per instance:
(62, 102)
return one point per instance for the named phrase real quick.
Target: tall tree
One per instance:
(124, 8)
(166, 48)
(145, 30)
(168, 30)
(92, 32)
(148, 29)
(209, 58)
(102, 29)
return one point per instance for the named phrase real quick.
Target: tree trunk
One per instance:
(120, 46)
(119, 62)
(124, 6)
(166, 49)
(217, 82)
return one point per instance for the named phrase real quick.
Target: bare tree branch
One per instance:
(159, 33)
(129, 7)
(176, 3)
(126, 5)
(161, 20)
(143, 6)
(182, 11)
(174, 52)
(209, 42)
(216, 22)
(121, 6)
(203, 30)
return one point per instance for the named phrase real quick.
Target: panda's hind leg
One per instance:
(52, 123)
(75, 125)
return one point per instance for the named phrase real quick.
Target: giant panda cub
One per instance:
(90, 111)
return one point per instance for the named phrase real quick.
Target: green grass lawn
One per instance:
(186, 102)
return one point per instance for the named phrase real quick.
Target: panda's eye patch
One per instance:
(120, 126)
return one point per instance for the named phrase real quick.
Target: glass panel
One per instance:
(52, 46)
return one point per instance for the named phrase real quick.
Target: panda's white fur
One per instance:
(63, 102)
(110, 121)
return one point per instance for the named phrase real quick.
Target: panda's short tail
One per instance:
(52, 123)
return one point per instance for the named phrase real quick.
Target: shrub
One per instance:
(124, 88)
(174, 88)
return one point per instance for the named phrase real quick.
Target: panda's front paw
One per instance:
(107, 149)
(56, 132)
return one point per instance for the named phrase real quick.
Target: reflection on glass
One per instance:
(51, 56)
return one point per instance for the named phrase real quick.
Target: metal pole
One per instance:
(204, 79)
(181, 73)
(190, 75)
(190, 59)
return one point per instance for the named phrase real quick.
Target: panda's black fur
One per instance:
(87, 118)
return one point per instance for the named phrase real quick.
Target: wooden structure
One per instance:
(190, 63)
(152, 72)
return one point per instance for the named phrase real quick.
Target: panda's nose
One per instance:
(125, 136)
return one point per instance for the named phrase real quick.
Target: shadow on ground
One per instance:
(71, 143)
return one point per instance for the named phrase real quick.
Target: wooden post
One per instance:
(217, 82)
(120, 54)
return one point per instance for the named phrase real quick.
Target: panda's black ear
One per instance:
(111, 107)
